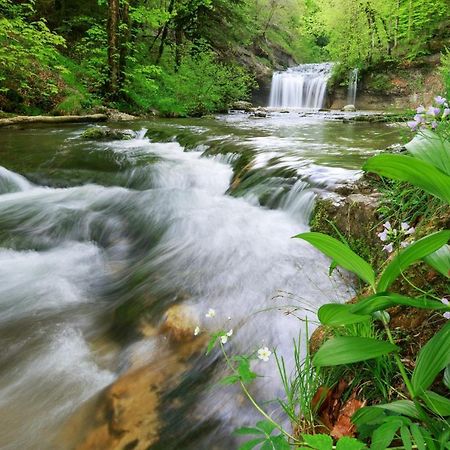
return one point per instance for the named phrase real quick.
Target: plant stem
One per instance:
(253, 401)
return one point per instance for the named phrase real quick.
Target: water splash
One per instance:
(304, 86)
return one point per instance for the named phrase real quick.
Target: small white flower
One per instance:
(383, 235)
(405, 244)
(211, 313)
(410, 230)
(197, 331)
(447, 303)
(230, 333)
(387, 225)
(405, 226)
(224, 339)
(389, 248)
(421, 109)
(264, 353)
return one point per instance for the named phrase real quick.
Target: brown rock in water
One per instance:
(180, 322)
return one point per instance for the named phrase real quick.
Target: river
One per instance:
(193, 211)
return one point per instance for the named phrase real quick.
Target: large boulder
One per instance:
(349, 108)
(107, 134)
(242, 106)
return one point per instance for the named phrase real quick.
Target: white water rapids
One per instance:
(162, 227)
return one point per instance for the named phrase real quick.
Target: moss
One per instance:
(99, 133)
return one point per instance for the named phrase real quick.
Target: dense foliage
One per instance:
(193, 56)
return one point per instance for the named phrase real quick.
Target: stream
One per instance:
(197, 212)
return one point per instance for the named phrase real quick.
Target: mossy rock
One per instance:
(105, 133)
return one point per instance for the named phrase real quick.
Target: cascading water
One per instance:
(93, 226)
(352, 87)
(303, 86)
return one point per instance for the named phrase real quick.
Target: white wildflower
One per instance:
(211, 313)
(197, 331)
(383, 235)
(447, 303)
(264, 353)
(389, 248)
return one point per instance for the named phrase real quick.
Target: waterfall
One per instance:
(303, 86)
(352, 87)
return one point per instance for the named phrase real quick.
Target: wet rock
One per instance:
(179, 323)
(259, 114)
(349, 108)
(242, 106)
(106, 133)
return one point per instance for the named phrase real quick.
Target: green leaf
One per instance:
(243, 368)
(266, 426)
(416, 172)
(433, 358)
(403, 407)
(347, 443)
(446, 379)
(386, 300)
(415, 252)
(249, 445)
(212, 341)
(437, 403)
(229, 380)
(247, 430)
(338, 315)
(368, 415)
(351, 349)
(406, 437)
(417, 436)
(340, 254)
(384, 435)
(431, 148)
(279, 443)
(318, 441)
(440, 260)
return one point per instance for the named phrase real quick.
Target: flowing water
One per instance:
(304, 86)
(170, 216)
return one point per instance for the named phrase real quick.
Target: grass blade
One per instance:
(440, 260)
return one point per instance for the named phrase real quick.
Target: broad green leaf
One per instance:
(417, 436)
(430, 443)
(249, 445)
(386, 300)
(406, 437)
(403, 407)
(446, 379)
(351, 349)
(338, 315)
(431, 148)
(440, 260)
(413, 170)
(247, 430)
(340, 254)
(433, 358)
(415, 252)
(347, 443)
(368, 415)
(318, 441)
(437, 403)
(384, 435)
(244, 371)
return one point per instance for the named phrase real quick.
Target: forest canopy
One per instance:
(184, 57)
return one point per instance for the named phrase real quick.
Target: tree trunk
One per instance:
(113, 48)
(165, 32)
(125, 40)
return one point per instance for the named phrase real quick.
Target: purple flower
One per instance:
(447, 303)
(440, 100)
(387, 225)
(434, 124)
(405, 226)
(433, 111)
(419, 118)
(383, 235)
(446, 112)
(389, 248)
(420, 109)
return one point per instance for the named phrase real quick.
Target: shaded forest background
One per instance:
(193, 57)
